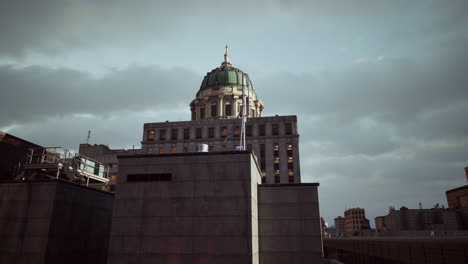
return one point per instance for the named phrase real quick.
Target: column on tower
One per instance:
(220, 105)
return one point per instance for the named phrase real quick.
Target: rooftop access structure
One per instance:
(58, 162)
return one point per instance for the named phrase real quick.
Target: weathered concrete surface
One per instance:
(397, 250)
(207, 213)
(289, 224)
(53, 222)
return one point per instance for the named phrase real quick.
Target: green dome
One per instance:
(224, 76)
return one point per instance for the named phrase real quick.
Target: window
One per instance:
(276, 151)
(162, 134)
(161, 150)
(202, 112)
(262, 164)
(228, 110)
(198, 133)
(263, 179)
(276, 164)
(277, 178)
(186, 133)
(151, 135)
(289, 149)
(210, 148)
(288, 129)
(149, 151)
(274, 129)
(211, 132)
(174, 132)
(224, 132)
(248, 131)
(236, 131)
(290, 172)
(149, 177)
(261, 130)
(173, 150)
(291, 179)
(214, 109)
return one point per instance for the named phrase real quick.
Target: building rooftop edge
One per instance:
(457, 189)
(290, 184)
(182, 154)
(56, 181)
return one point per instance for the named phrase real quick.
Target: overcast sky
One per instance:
(380, 88)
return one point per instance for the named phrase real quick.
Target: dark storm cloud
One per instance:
(37, 92)
(394, 91)
(57, 26)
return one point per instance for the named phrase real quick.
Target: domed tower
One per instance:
(220, 94)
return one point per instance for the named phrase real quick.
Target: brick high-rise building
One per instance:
(353, 218)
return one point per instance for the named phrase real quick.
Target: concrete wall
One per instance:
(206, 214)
(53, 222)
(387, 250)
(289, 224)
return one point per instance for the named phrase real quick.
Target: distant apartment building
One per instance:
(353, 221)
(340, 227)
(423, 222)
(458, 197)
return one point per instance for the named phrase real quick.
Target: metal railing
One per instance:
(54, 161)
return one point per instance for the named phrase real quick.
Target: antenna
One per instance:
(89, 136)
(244, 116)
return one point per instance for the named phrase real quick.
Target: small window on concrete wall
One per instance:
(186, 133)
(236, 131)
(224, 132)
(149, 177)
(151, 135)
(274, 129)
(261, 130)
(162, 134)
(211, 132)
(288, 129)
(248, 131)
(174, 133)
(198, 132)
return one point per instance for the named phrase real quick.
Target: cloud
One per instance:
(59, 27)
(36, 92)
